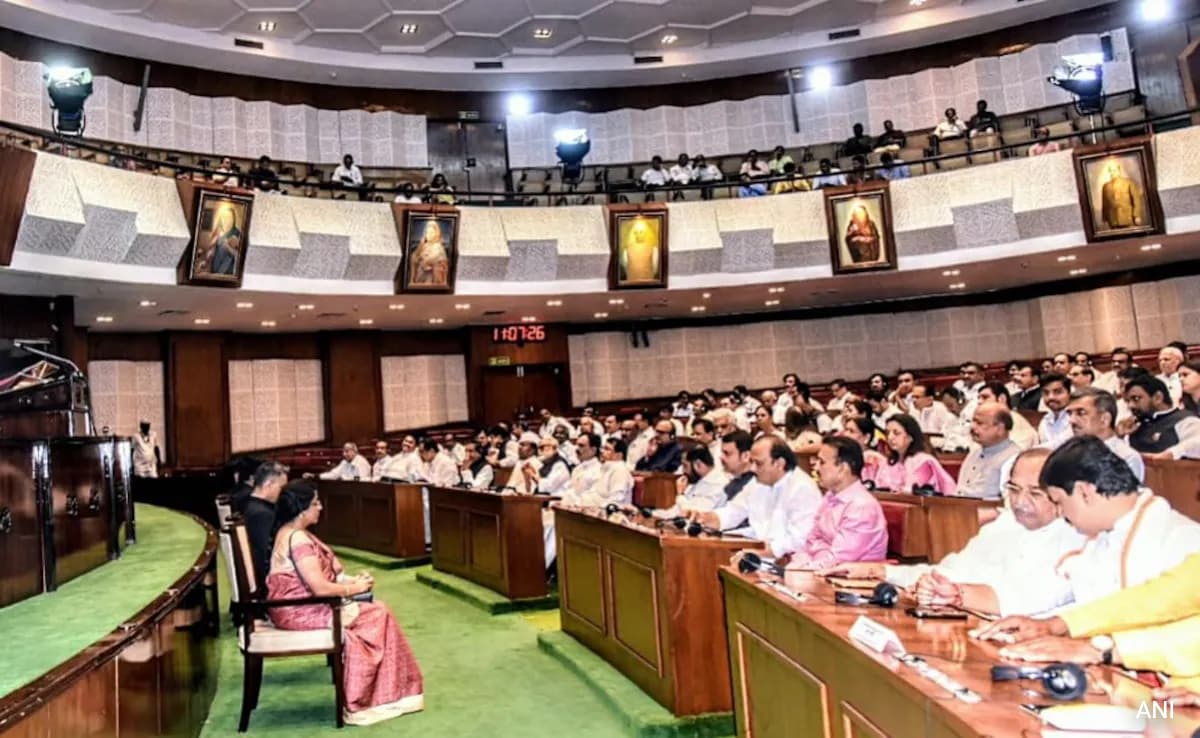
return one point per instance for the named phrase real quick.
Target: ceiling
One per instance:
(177, 308)
(543, 43)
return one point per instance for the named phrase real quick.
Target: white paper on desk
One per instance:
(1103, 720)
(747, 533)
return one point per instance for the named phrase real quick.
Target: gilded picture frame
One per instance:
(429, 237)
(859, 221)
(1118, 190)
(638, 254)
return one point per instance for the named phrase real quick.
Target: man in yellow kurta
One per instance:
(1121, 199)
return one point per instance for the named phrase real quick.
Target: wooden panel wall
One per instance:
(353, 386)
(553, 351)
(17, 166)
(197, 399)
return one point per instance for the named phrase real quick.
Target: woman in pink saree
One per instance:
(910, 465)
(382, 678)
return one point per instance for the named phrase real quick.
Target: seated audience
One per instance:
(400, 467)
(736, 462)
(1094, 413)
(259, 512)
(262, 177)
(705, 485)
(800, 431)
(407, 194)
(618, 482)
(476, 472)
(654, 177)
(1080, 377)
(1055, 427)
(779, 509)
(1029, 383)
(892, 168)
(858, 171)
(795, 181)
(763, 424)
(950, 126)
(1158, 428)
(681, 172)
(830, 176)
(353, 466)
(433, 466)
(1044, 145)
(1169, 360)
(663, 452)
(1023, 434)
(779, 160)
(381, 677)
(439, 190)
(849, 524)
(863, 431)
(706, 173)
(753, 169)
(550, 422)
(981, 475)
(240, 472)
(931, 415)
(588, 486)
(984, 120)
(519, 481)
(956, 433)
(1189, 382)
(382, 459)
(457, 451)
(891, 139)
(910, 463)
(882, 410)
(347, 174)
(860, 144)
(551, 475)
(988, 574)
(970, 381)
(226, 174)
(566, 447)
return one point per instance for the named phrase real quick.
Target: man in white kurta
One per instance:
(618, 481)
(352, 468)
(401, 466)
(705, 488)
(587, 488)
(778, 508)
(518, 481)
(382, 459)
(476, 473)
(436, 469)
(145, 452)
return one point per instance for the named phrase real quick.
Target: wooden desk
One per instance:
(797, 674)
(1178, 482)
(656, 489)
(490, 539)
(650, 605)
(944, 523)
(382, 518)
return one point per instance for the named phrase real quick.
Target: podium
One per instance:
(379, 517)
(657, 489)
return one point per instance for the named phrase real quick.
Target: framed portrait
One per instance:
(216, 256)
(859, 219)
(1118, 190)
(637, 239)
(429, 236)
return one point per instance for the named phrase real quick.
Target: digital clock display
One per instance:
(525, 333)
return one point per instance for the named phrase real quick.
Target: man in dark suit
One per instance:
(663, 452)
(1030, 396)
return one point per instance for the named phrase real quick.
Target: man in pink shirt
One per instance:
(850, 525)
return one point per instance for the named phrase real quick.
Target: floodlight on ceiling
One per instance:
(1154, 11)
(820, 78)
(68, 88)
(519, 104)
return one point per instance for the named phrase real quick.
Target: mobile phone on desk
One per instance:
(936, 613)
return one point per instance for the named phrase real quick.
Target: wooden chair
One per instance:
(258, 639)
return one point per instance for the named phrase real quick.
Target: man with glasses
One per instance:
(1093, 412)
(1080, 376)
(663, 452)
(991, 573)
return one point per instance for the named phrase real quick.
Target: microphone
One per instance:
(752, 562)
(1062, 681)
(55, 358)
(926, 490)
(694, 529)
(884, 595)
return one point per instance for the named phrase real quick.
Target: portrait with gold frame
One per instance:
(859, 220)
(1118, 190)
(216, 256)
(637, 236)
(429, 235)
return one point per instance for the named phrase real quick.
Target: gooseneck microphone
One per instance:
(752, 562)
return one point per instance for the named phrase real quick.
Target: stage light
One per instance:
(519, 104)
(1155, 10)
(1084, 81)
(573, 146)
(820, 78)
(69, 88)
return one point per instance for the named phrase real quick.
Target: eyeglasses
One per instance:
(1013, 488)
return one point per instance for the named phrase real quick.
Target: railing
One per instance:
(602, 192)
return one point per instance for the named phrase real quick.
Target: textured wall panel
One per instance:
(275, 402)
(422, 391)
(125, 393)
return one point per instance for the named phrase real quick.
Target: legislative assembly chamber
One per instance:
(600, 368)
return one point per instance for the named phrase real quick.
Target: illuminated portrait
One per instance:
(638, 243)
(860, 228)
(217, 254)
(430, 238)
(1117, 190)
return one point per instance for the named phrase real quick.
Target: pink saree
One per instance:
(381, 675)
(915, 471)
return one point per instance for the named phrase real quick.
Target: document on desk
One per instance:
(747, 533)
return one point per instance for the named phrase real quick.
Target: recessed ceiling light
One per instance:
(698, 308)
(916, 3)
(267, 324)
(396, 306)
(152, 303)
(706, 295)
(771, 303)
(201, 321)
(528, 319)
(1152, 247)
(616, 301)
(245, 305)
(366, 321)
(306, 306)
(436, 321)
(669, 39)
(775, 290)
(1068, 257)
(553, 303)
(462, 306)
(409, 28)
(1077, 272)
(266, 26)
(543, 33)
(958, 286)
(600, 315)
(104, 318)
(950, 273)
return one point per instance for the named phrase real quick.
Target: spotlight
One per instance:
(820, 78)
(573, 146)
(68, 88)
(519, 104)
(1083, 77)
(1155, 10)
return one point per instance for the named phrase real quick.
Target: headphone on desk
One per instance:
(884, 595)
(752, 562)
(926, 490)
(1061, 681)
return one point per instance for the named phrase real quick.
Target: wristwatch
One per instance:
(1104, 644)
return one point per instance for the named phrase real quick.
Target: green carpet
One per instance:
(479, 596)
(66, 621)
(354, 558)
(484, 676)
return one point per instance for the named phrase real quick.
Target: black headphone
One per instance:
(884, 595)
(926, 490)
(1062, 681)
(752, 562)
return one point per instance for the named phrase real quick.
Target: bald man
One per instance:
(980, 475)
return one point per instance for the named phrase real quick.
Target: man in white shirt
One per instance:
(841, 395)
(1094, 413)
(1110, 381)
(932, 415)
(612, 428)
(881, 409)
(1169, 359)
(723, 420)
(586, 488)
(526, 457)
(681, 172)
(401, 466)
(618, 480)
(956, 434)
(435, 467)
(990, 573)
(1055, 428)
(981, 473)
(901, 397)
(705, 488)
(950, 126)
(353, 467)
(502, 449)
(1023, 433)
(553, 475)
(347, 173)
(382, 459)
(779, 509)
(550, 421)
(654, 177)
(971, 380)
(705, 433)
(475, 471)
(638, 443)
